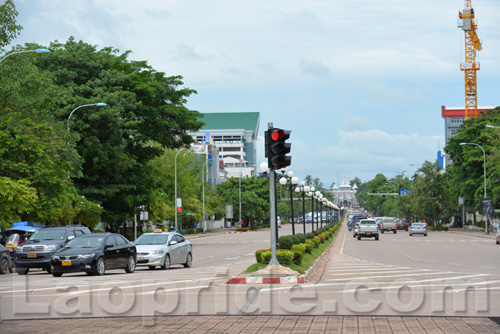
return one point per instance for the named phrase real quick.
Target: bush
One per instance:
(258, 255)
(322, 237)
(243, 229)
(297, 257)
(308, 246)
(285, 242)
(301, 237)
(285, 257)
(309, 236)
(299, 248)
(437, 228)
(265, 256)
(317, 241)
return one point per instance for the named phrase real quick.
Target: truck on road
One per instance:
(368, 228)
(389, 224)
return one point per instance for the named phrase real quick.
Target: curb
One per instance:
(268, 280)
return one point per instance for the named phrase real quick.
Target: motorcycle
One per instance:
(350, 228)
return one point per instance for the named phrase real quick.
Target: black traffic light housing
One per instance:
(277, 148)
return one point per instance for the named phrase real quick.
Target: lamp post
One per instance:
(318, 202)
(16, 52)
(484, 175)
(304, 190)
(98, 104)
(311, 193)
(293, 181)
(203, 187)
(175, 186)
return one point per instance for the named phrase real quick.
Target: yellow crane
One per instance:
(472, 43)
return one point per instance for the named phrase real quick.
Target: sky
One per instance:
(360, 83)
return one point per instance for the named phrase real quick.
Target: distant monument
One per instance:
(345, 195)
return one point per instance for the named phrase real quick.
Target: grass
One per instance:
(307, 260)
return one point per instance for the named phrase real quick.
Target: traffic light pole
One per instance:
(272, 197)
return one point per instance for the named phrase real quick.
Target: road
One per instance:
(396, 275)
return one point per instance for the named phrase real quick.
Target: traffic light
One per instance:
(277, 148)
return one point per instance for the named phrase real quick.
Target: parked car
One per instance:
(418, 228)
(5, 261)
(163, 249)
(38, 250)
(94, 254)
(402, 225)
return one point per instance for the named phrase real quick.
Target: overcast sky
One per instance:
(359, 82)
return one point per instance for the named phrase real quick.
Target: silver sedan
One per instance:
(418, 228)
(163, 249)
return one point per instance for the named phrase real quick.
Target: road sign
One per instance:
(487, 204)
(179, 205)
(404, 191)
(144, 215)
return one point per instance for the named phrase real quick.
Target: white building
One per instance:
(345, 195)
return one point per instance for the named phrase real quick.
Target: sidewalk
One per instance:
(246, 324)
(475, 233)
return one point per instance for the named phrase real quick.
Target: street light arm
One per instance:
(17, 52)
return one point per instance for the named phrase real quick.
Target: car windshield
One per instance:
(56, 234)
(152, 239)
(86, 242)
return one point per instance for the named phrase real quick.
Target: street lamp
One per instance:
(16, 52)
(203, 187)
(304, 190)
(484, 175)
(318, 202)
(293, 181)
(311, 193)
(99, 104)
(175, 186)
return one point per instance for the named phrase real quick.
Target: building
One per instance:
(453, 119)
(233, 136)
(345, 195)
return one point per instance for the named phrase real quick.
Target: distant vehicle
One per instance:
(94, 254)
(368, 228)
(418, 228)
(402, 225)
(389, 224)
(37, 251)
(278, 221)
(163, 249)
(498, 236)
(356, 228)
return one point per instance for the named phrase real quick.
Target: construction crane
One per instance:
(472, 43)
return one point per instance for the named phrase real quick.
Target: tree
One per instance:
(254, 198)
(16, 197)
(9, 28)
(145, 114)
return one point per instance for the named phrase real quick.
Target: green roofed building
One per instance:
(231, 136)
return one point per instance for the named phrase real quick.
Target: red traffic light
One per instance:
(277, 135)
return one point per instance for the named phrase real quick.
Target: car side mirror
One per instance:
(109, 245)
(71, 237)
(172, 243)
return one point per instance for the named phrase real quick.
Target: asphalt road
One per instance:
(396, 275)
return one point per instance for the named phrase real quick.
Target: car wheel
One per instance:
(410, 234)
(189, 261)
(100, 267)
(12, 267)
(359, 237)
(151, 267)
(166, 262)
(130, 268)
(48, 270)
(498, 243)
(382, 231)
(22, 271)
(376, 237)
(425, 235)
(56, 274)
(395, 231)
(4, 265)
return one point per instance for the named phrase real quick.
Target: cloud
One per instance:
(188, 52)
(314, 68)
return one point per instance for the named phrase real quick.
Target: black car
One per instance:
(5, 260)
(94, 254)
(403, 225)
(38, 250)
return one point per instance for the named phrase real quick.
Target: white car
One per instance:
(163, 249)
(278, 221)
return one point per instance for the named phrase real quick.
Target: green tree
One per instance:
(145, 114)
(9, 29)
(16, 197)
(254, 198)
